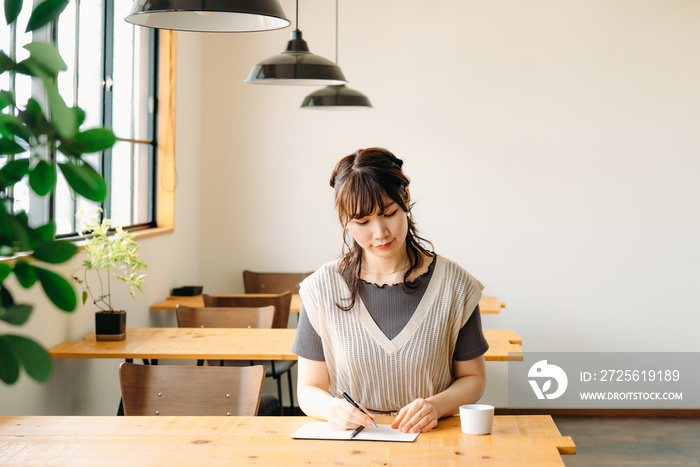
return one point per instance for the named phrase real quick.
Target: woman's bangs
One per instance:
(360, 197)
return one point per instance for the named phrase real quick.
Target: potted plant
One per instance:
(38, 138)
(108, 255)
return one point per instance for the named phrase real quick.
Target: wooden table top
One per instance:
(228, 343)
(531, 440)
(196, 301)
(487, 304)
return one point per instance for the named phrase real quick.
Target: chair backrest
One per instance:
(273, 282)
(224, 317)
(280, 301)
(190, 390)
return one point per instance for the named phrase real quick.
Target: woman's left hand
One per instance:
(418, 416)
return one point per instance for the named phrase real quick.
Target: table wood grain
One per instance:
(487, 304)
(531, 440)
(228, 344)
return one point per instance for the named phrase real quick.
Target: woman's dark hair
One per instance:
(365, 182)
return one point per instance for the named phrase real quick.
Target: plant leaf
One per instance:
(70, 148)
(6, 63)
(43, 178)
(21, 234)
(84, 180)
(45, 233)
(13, 171)
(97, 139)
(16, 314)
(33, 117)
(6, 97)
(31, 356)
(32, 67)
(58, 289)
(62, 117)
(44, 13)
(5, 271)
(56, 252)
(11, 126)
(25, 273)
(79, 115)
(7, 146)
(46, 55)
(12, 10)
(9, 370)
(6, 299)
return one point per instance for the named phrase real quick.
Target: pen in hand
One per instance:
(357, 431)
(354, 404)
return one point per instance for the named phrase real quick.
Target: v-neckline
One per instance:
(392, 345)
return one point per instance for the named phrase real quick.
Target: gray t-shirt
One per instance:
(391, 307)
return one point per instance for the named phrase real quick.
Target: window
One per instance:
(112, 76)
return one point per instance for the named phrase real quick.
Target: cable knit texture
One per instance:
(383, 374)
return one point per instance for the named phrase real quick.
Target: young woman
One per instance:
(394, 325)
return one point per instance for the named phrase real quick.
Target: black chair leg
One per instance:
(291, 393)
(279, 393)
(278, 378)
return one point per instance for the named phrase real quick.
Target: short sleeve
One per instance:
(471, 342)
(307, 343)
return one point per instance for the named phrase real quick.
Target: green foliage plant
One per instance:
(38, 138)
(109, 256)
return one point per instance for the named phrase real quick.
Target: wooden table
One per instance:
(228, 344)
(196, 301)
(487, 304)
(531, 440)
(490, 305)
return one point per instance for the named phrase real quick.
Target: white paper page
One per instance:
(321, 430)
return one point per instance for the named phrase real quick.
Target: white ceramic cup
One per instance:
(476, 419)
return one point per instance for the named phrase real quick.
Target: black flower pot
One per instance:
(110, 326)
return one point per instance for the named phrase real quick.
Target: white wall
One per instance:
(91, 387)
(553, 149)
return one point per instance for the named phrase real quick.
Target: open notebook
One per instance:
(321, 430)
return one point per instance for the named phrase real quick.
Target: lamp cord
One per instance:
(336, 32)
(297, 17)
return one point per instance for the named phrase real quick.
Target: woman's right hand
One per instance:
(315, 400)
(343, 416)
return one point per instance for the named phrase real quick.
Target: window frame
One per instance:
(164, 174)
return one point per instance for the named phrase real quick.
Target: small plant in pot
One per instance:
(108, 255)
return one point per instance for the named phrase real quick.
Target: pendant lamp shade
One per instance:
(337, 97)
(296, 66)
(209, 15)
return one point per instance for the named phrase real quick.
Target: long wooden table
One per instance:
(531, 440)
(487, 304)
(228, 344)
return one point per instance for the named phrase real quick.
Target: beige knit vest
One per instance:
(385, 375)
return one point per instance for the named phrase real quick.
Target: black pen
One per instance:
(357, 431)
(349, 399)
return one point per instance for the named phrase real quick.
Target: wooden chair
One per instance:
(224, 317)
(273, 282)
(190, 390)
(281, 302)
(230, 317)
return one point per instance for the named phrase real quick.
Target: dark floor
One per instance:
(632, 441)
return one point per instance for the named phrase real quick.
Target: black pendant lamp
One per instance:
(209, 15)
(296, 65)
(336, 97)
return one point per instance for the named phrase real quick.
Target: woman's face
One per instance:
(381, 234)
